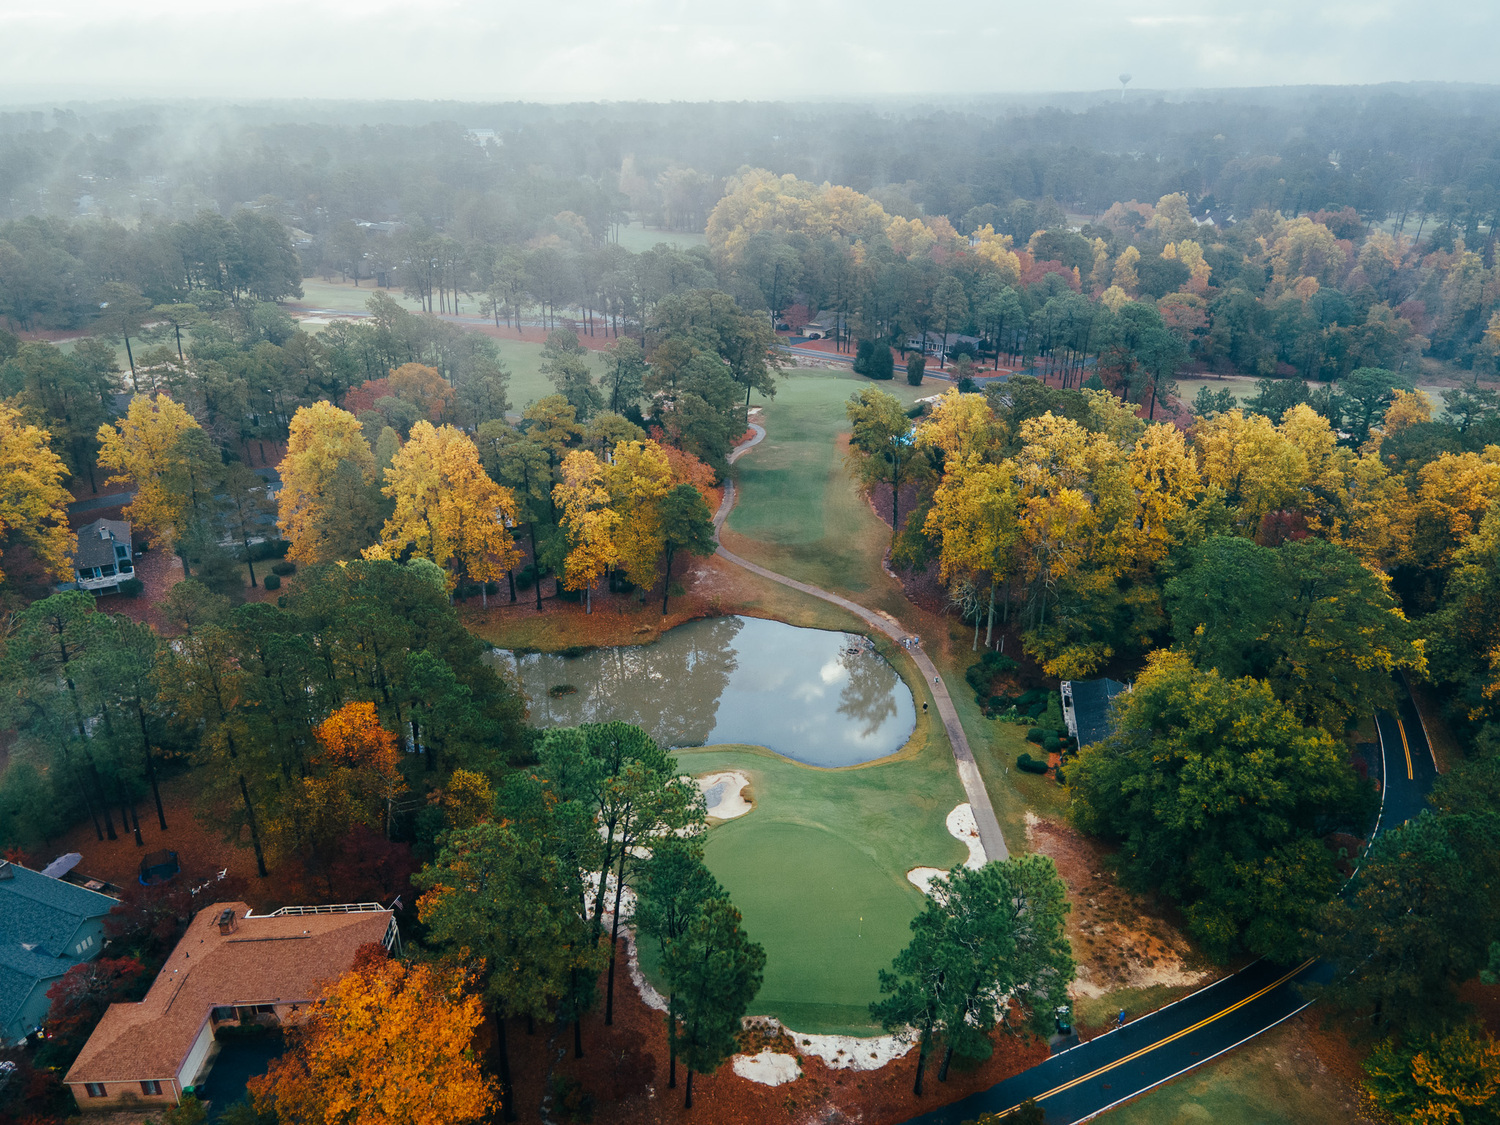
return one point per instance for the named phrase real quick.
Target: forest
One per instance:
(1262, 559)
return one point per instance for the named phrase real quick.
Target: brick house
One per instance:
(232, 967)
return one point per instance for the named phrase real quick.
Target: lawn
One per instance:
(1275, 1079)
(344, 297)
(637, 238)
(818, 868)
(799, 512)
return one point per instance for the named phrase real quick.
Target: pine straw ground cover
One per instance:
(624, 1073)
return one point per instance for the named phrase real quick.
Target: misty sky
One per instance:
(661, 49)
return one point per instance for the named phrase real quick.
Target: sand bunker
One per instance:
(768, 1068)
(843, 1052)
(724, 794)
(962, 827)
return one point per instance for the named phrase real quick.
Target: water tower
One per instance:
(1124, 81)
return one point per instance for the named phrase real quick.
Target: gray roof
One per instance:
(1091, 700)
(43, 912)
(20, 969)
(96, 549)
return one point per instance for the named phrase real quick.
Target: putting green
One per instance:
(818, 869)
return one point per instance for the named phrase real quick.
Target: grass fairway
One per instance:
(637, 238)
(344, 296)
(818, 868)
(799, 511)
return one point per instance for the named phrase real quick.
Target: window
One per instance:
(151, 1086)
(84, 944)
(122, 551)
(95, 1089)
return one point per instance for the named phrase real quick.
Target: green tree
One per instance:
(565, 362)
(686, 525)
(713, 971)
(249, 514)
(672, 886)
(882, 449)
(497, 896)
(521, 463)
(1365, 394)
(1308, 617)
(950, 305)
(121, 313)
(624, 375)
(1219, 797)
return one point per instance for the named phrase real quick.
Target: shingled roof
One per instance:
(267, 959)
(96, 542)
(43, 913)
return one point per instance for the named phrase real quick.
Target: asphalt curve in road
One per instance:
(1112, 1068)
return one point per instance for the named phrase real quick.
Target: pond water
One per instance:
(827, 699)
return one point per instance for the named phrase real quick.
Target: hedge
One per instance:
(1027, 764)
(272, 581)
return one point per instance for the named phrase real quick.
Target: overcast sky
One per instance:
(553, 50)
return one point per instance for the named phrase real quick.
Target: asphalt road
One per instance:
(1112, 1068)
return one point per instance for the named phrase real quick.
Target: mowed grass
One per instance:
(1268, 1081)
(818, 868)
(344, 296)
(799, 511)
(638, 238)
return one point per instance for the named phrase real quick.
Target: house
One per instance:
(102, 559)
(231, 968)
(46, 927)
(1086, 708)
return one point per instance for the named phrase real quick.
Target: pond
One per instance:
(823, 698)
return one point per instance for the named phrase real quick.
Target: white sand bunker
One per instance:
(962, 827)
(846, 1052)
(769, 1068)
(724, 794)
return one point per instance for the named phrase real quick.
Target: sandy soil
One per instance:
(1120, 940)
(726, 791)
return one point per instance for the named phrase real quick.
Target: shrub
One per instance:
(998, 662)
(1062, 778)
(1027, 764)
(1031, 697)
(272, 582)
(1036, 734)
(269, 549)
(492, 588)
(1035, 710)
(967, 386)
(573, 652)
(995, 703)
(1052, 744)
(916, 367)
(132, 588)
(284, 568)
(978, 676)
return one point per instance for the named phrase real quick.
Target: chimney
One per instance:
(6, 872)
(226, 922)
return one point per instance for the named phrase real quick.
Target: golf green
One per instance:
(818, 869)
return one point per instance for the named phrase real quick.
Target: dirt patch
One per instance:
(199, 847)
(624, 1070)
(1120, 940)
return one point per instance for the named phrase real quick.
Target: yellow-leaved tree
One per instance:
(1167, 482)
(448, 510)
(963, 426)
(33, 502)
(326, 456)
(388, 1044)
(1258, 469)
(588, 520)
(973, 515)
(143, 451)
(638, 479)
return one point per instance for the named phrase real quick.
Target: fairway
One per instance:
(818, 868)
(798, 511)
(637, 238)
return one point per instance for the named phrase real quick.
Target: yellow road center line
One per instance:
(1169, 1039)
(1405, 747)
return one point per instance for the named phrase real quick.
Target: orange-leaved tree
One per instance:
(390, 1044)
(352, 739)
(588, 520)
(423, 387)
(33, 502)
(448, 510)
